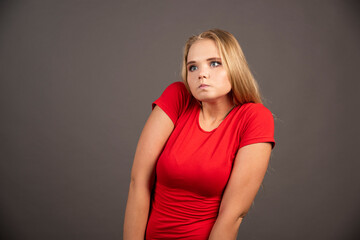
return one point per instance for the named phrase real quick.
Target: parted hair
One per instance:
(244, 87)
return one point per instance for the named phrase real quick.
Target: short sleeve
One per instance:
(258, 126)
(174, 100)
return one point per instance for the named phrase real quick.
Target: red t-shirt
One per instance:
(194, 167)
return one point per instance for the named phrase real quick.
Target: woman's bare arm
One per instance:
(151, 142)
(246, 177)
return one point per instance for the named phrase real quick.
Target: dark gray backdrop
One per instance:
(77, 80)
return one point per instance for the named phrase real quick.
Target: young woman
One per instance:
(204, 150)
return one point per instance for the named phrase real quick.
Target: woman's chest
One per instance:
(196, 160)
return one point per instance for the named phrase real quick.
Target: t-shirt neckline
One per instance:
(198, 120)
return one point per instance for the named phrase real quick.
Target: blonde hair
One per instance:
(244, 86)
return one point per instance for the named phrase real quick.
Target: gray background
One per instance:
(77, 79)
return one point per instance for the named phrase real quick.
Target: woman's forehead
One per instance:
(203, 49)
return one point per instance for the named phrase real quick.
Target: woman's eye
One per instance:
(192, 68)
(215, 64)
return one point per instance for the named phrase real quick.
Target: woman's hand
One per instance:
(152, 140)
(248, 172)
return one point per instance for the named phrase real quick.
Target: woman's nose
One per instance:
(204, 73)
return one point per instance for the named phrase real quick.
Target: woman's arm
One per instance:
(151, 142)
(246, 177)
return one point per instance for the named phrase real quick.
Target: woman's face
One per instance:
(207, 77)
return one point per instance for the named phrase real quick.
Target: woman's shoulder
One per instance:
(254, 108)
(257, 124)
(174, 100)
(178, 90)
(176, 87)
(250, 112)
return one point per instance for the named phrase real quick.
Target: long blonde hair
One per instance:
(243, 84)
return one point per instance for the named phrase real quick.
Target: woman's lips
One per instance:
(202, 86)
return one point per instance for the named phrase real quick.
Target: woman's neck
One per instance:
(215, 111)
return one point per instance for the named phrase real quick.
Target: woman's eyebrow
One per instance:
(209, 59)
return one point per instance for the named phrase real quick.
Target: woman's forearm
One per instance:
(136, 213)
(225, 228)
